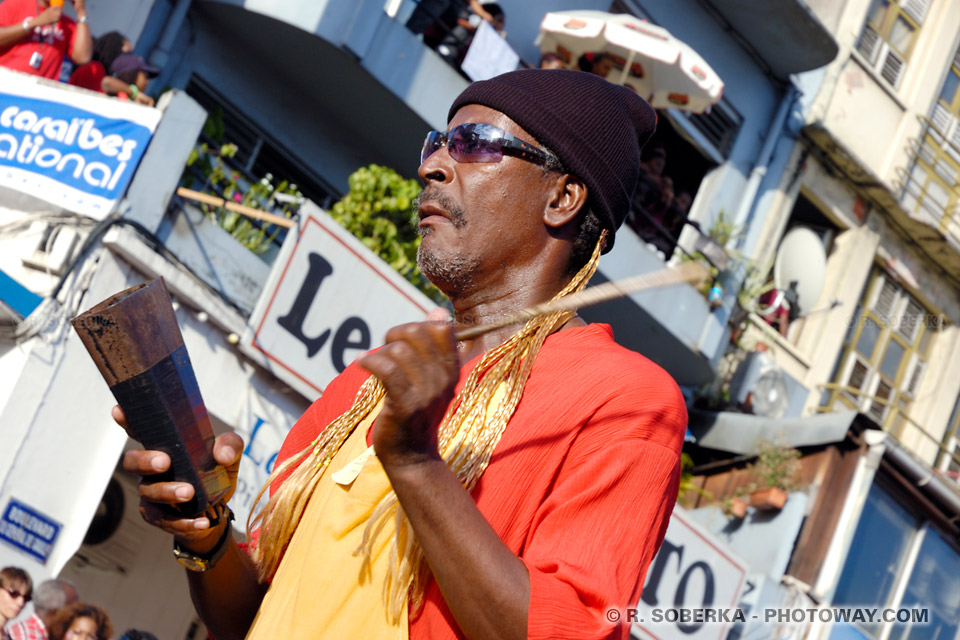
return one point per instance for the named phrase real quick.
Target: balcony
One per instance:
(931, 226)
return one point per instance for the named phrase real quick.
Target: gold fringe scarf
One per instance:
(465, 438)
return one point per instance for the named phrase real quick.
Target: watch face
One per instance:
(190, 562)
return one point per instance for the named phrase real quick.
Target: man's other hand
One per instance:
(157, 498)
(50, 15)
(419, 368)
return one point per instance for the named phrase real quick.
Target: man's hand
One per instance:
(50, 15)
(156, 497)
(419, 368)
(143, 98)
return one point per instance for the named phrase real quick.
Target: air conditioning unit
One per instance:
(771, 391)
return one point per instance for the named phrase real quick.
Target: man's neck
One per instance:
(489, 307)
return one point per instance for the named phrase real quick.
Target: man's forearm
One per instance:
(12, 34)
(485, 585)
(228, 596)
(82, 45)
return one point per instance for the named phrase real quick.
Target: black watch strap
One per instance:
(206, 561)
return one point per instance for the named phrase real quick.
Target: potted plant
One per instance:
(776, 470)
(735, 507)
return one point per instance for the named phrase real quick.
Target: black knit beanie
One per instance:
(595, 127)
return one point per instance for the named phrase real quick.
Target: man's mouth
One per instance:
(431, 210)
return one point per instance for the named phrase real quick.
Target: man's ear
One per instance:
(569, 197)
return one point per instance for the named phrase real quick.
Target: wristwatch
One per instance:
(82, 19)
(201, 562)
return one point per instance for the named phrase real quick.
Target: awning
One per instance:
(740, 432)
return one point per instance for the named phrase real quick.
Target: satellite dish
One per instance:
(800, 269)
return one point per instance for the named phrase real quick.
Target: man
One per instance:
(35, 36)
(16, 587)
(512, 485)
(50, 597)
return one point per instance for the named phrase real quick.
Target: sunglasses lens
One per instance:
(475, 143)
(433, 141)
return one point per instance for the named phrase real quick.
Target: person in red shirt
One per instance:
(530, 470)
(35, 36)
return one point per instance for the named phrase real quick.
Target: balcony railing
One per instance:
(894, 425)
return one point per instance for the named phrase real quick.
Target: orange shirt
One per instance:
(580, 487)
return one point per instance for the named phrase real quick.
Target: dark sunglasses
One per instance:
(479, 142)
(16, 594)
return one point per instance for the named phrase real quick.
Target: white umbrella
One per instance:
(647, 58)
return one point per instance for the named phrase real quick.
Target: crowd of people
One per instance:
(58, 612)
(37, 37)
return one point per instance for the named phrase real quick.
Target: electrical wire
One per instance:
(32, 327)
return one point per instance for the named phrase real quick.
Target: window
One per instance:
(890, 34)
(257, 152)
(930, 186)
(885, 354)
(878, 551)
(897, 561)
(719, 125)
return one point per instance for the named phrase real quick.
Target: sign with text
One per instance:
(72, 148)
(329, 299)
(28, 530)
(693, 573)
(263, 425)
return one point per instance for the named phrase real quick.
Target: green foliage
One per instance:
(776, 466)
(378, 210)
(686, 479)
(262, 195)
(209, 161)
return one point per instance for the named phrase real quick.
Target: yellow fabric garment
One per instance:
(319, 590)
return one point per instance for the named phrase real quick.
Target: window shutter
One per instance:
(910, 320)
(893, 66)
(869, 44)
(883, 306)
(913, 382)
(878, 411)
(916, 9)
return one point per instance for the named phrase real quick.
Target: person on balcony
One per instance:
(133, 74)
(515, 484)
(94, 75)
(35, 36)
(599, 63)
(454, 46)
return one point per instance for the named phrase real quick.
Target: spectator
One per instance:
(654, 165)
(93, 75)
(134, 74)
(35, 36)
(454, 46)
(551, 60)
(81, 621)
(598, 63)
(15, 591)
(50, 597)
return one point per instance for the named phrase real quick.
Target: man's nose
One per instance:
(438, 167)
